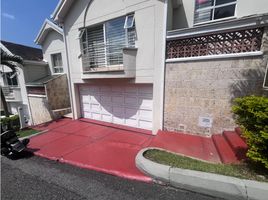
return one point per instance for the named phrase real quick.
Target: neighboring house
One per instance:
(52, 91)
(13, 85)
(43, 95)
(216, 51)
(153, 64)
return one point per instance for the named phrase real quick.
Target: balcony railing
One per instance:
(12, 93)
(100, 55)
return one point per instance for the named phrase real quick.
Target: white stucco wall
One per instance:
(184, 15)
(149, 20)
(52, 44)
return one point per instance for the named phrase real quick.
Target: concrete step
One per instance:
(226, 153)
(237, 144)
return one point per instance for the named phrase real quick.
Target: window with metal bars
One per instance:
(102, 45)
(210, 10)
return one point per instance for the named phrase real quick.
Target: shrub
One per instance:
(13, 122)
(252, 115)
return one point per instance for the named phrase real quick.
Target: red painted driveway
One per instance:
(112, 150)
(92, 146)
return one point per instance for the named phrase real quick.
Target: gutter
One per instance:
(68, 71)
(163, 66)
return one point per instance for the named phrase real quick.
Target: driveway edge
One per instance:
(33, 135)
(202, 182)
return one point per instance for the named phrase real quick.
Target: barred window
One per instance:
(102, 45)
(209, 10)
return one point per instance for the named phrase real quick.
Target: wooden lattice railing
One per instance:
(240, 41)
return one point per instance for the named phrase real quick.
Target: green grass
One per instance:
(244, 170)
(26, 132)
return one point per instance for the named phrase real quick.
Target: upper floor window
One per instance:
(10, 79)
(57, 63)
(209, 10)
(102, 45)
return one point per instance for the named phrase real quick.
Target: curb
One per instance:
(202, 182)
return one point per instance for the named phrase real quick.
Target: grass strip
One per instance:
(26, 132)
(245, 170)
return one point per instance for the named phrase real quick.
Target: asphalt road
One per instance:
(35, 178)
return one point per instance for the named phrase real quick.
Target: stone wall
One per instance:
(58, 93)
(40, 109)
(207, 89)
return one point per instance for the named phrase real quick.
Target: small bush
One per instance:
(252, 115)
(13, 122)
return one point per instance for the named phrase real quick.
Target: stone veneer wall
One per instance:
(208, 87)
(40, 110)
(58, 93)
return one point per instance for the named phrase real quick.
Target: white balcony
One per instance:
(118, 65)
(12, 94)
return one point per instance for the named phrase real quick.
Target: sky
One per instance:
(21, 20)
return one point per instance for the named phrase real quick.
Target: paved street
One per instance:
(38, 178)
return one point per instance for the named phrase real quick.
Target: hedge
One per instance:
(252, 116)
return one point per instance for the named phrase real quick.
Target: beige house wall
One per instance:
(149, 22)
(53, 44)
(207, 88)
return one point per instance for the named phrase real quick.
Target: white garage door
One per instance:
(129, 105)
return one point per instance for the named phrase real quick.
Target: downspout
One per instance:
(163, 64)
(68, 70)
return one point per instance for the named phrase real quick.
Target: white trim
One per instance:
(265, 77)
(36, 95)
(236, 24)
(33, 62)
(216, 6)
(162, 80)
(5, 49)
(42, 32)
(126, 20)
(210, 57)
(55, 12)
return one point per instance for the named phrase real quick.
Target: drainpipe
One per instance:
(68, 70)
(163, 64)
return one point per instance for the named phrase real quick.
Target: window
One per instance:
(129, 21)
(102, 45)
(209, 10)
(57, 63)
(11, 79)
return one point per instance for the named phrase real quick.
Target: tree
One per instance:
(11, 61)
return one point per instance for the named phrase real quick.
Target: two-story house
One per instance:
(13, 85)
(216, 50)
(163, 64)
(43, 95)
(116, 56)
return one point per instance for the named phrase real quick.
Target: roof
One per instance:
(61, 9)
(26, 52)
(42, 81)
(45, 29)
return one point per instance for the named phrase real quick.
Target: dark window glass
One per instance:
(224, 12)
(11, 79)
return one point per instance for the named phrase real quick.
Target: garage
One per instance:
(129, 105)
